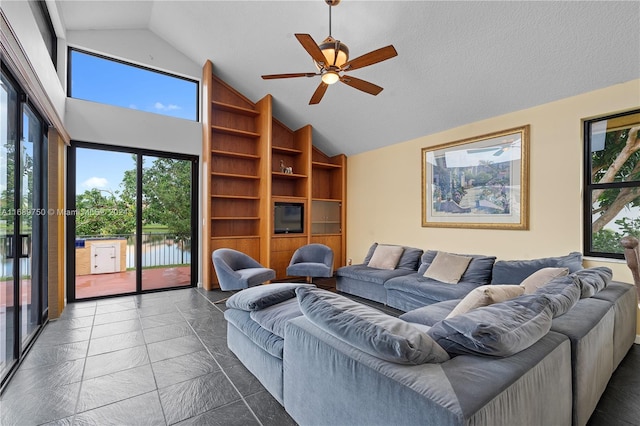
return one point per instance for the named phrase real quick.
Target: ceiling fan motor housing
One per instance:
(336, 53)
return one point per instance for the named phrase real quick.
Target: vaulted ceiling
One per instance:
(458, 61)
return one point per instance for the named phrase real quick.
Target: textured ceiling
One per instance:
(458, 62)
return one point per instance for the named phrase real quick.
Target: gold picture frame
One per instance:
(480, 182)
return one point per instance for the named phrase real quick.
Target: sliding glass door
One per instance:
(134, 220)
(23, 144)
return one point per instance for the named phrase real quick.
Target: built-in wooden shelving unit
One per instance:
(244, 150)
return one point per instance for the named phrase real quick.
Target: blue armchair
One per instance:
(237, 271)
(311, 260)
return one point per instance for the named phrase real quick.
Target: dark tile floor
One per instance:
(162, 359)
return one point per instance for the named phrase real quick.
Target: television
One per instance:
(288, 218)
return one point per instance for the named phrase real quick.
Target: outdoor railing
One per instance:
(157, 249)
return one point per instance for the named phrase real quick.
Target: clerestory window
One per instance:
(100, 79)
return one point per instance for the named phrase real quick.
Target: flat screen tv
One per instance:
(288, 218)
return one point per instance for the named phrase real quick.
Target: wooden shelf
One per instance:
(325, 165)
(234, 109)
(236, 237)
(235, 176)
(327, 199)
(234, 154)
(235, 197)
(287, 175)
(234, 218)
(235, 132)
(284, 150)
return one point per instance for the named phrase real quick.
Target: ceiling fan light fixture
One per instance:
(335, 52)
(330, 77)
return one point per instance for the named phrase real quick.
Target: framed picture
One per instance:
(481, 182)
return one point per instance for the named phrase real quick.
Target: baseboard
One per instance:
(637, 339)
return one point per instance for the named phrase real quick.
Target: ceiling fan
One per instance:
(331, 57)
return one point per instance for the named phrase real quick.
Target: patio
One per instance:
(96, 285)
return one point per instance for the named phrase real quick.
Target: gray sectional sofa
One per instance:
(405, 288)
(536, 359)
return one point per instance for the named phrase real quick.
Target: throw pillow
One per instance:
(447, 267)
(368, 329)
(479, 270)
(484, 296)
(385, 257)
(542, 277)
(501, 329)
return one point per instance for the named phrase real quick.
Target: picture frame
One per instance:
(480, 182)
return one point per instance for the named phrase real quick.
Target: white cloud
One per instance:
(95, 182)
(162, 107)
(133, 106)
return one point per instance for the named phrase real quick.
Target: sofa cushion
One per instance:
(447, 268)
(592, 280)
(240, 319)
(478, 271)
(542, 277)
(409, 260)
(273, 318)
(430, 314)
(562, 292)
(262, 296)
(385, 257)
(501, 329)
(515, 271)
(486, 295)
(368, 329)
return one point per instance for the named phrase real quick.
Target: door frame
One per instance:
(71, 220)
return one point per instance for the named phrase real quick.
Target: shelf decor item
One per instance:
(481, 182)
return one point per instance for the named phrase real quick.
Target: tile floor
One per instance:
(162, 359)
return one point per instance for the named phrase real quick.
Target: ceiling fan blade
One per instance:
(311, 47)
(319, 93)
(299, 74)
(371, 58)
(359, 84)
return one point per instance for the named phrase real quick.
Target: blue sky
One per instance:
(101, 169)
(110, 82)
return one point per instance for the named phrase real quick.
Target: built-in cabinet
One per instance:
(251, 161)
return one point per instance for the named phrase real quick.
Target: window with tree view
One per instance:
(612, 183)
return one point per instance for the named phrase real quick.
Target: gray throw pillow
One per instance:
(262, 296)
(501, 329)
(368, 329)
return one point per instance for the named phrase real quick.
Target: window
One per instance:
(108, 81)
(41, 15)
(612, 183)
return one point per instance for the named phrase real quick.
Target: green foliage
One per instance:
(166, 202)
(608, 241)
(103, 213)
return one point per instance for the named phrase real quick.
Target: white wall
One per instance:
(99, 123)
(140, 47)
